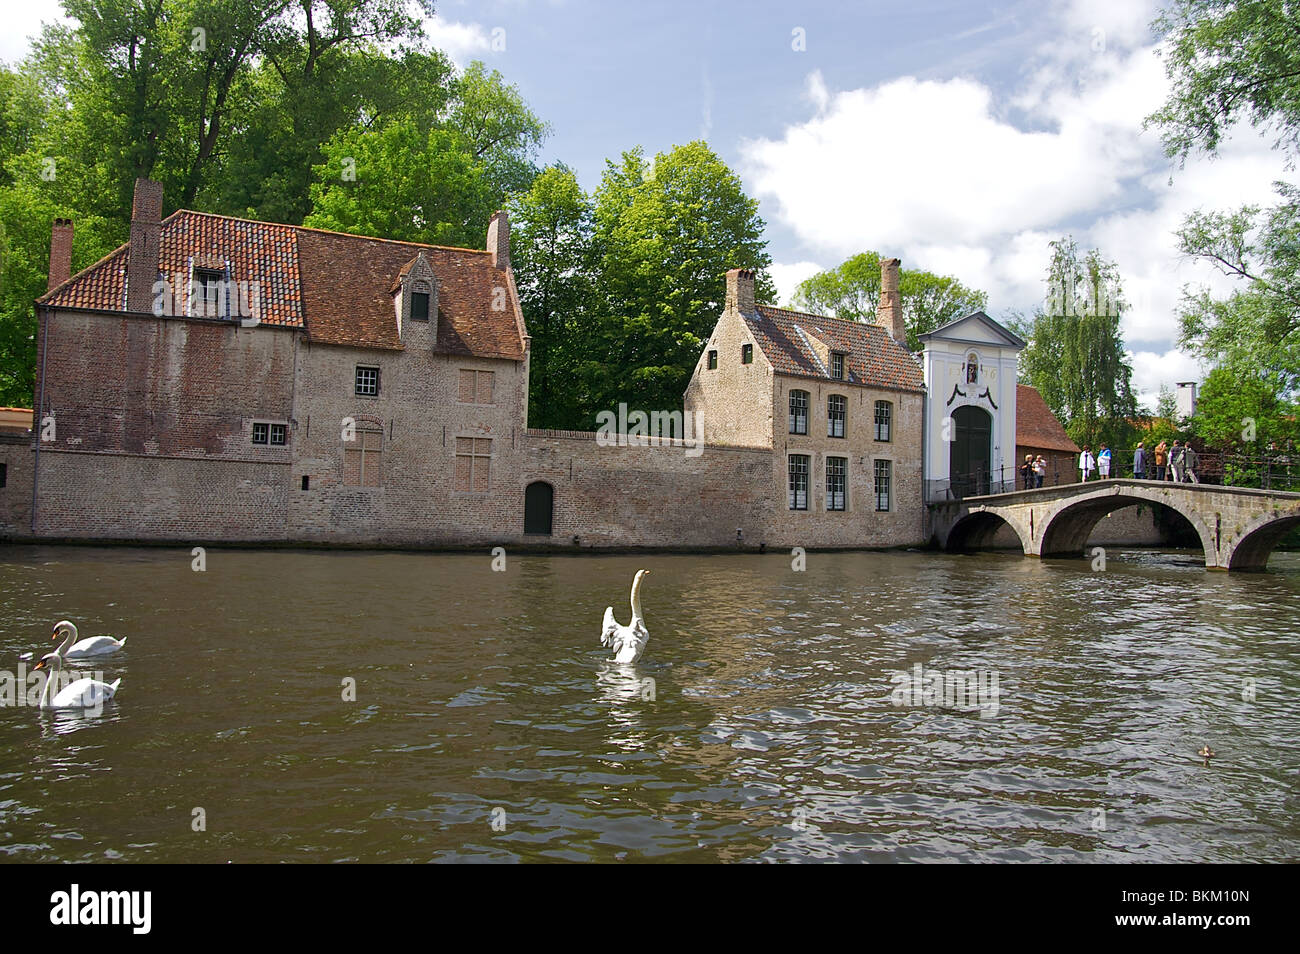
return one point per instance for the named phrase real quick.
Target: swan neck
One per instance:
(49, 682)
(636, 599)
(69, 639)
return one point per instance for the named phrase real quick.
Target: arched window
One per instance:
(884, 420)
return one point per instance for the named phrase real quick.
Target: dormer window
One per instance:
(415, 294)
(420, 302)
(837, 365)
(208, 289)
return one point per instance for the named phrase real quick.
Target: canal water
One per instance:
(772, 718)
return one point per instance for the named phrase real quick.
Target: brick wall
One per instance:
(420, 414)
(153, 428)
(650, 496)
(860, 524)
(16, 494)
(734, 400)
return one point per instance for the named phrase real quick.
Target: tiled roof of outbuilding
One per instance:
(874, 359)
(1036, 425)
(336, 285)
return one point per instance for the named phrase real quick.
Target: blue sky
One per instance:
(958, 136)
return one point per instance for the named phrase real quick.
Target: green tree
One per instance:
(1241, 416)
(1231, 62)
(552, 253)
(418, 178)
(1257, 326)
(1075, 355)
(1228, 60)
(851, 290)
(666, 233)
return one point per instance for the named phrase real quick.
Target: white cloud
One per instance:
(23, 24)
(788, 277)
(956, 177)
(462, 42)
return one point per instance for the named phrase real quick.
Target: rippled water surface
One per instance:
(759, 726)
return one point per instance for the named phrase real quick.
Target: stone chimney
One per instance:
(498, 240)
(889, 311)
(142, 255)
(740, 290)
(60, 253)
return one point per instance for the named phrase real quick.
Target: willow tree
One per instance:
(1075, 355)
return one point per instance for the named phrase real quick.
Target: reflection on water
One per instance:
(488, 724)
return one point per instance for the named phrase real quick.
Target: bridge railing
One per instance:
(1003, 480)
(1273, 471)
(1265, 472)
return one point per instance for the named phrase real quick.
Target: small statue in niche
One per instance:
(972, 369)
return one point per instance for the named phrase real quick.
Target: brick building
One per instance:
(219, 379)
(1039, 432)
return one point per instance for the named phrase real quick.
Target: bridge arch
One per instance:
(976, 530)
(1067, 529)
(1255, 542)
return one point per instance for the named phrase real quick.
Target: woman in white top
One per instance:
(1087, 463)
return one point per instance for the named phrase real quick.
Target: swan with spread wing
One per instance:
(627, 641)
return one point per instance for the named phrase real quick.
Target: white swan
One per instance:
(628, 641)
(80, 694)
(92, 646)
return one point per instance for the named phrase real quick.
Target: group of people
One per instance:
(1177, 463)
(1033, 470)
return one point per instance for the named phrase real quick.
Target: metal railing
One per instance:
(1265, 472)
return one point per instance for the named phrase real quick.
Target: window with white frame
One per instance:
(367, 381)
(836, 471)
(798, 412)
(798, 481)
(883, 474)
(884, 419)
(836, 412)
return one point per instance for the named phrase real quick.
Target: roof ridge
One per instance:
(809, 314)
(312, 228)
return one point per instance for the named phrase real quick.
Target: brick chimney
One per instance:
(142, 255)
(498, 240)
(889, 311)
(740, 290)
(60, 253)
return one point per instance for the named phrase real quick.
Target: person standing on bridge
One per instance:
(1176, 462)
(1162, 459)
(1040, 470)
(1190, 460)
(1103, 462)
(1087, 463)
(1140, 462)
(1027, 472)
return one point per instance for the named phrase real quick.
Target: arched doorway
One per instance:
(972, 451)
(539, 505)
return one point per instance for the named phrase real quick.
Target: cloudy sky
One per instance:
(958, 135)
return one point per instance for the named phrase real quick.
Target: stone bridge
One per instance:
(1238, 526)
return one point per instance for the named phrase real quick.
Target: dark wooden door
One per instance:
(972, 451)
(539, 504)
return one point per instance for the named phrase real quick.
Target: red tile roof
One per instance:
(336, 286)
(874, 359)
(1037, 426)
